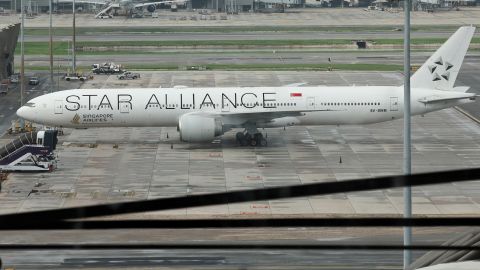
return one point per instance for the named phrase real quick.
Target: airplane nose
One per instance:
(24, 112)
(21, 112)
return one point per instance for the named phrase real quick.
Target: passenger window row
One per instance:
(350, 103)
(205, 105)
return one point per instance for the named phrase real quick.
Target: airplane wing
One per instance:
(263, 117)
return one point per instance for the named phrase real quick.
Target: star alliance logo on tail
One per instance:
(76, 119)
(437, 67)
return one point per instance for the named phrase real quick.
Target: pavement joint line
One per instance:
(467, 114)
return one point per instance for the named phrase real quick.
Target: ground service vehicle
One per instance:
(128, 75)
(75, 77)
(107, 68)
(33, 81)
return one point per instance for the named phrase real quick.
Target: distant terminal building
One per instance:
(8, 42)
(41, 6)
(432, 4)
(338, 3)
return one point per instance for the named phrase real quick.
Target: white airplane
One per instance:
(201, 114)
(131, 5)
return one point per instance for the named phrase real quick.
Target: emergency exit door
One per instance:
(393, 104)
(58, 107)
(311, 103)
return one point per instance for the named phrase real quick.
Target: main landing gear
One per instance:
(245, 138)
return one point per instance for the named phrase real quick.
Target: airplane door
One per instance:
(393, 104)
(125, 105)
(58, 107)
(311, 103)
(226, 108)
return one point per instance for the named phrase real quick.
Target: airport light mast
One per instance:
(74, 64)
(407, 149)
(22, 52)
(52, 83)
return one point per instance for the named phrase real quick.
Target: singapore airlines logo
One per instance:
(76, 119)
(440, 70)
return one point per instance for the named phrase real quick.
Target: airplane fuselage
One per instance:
(147, 107)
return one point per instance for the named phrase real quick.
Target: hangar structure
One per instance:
(8, 42)
(232, 6)
(432, 4)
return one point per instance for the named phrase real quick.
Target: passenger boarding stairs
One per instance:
(107, 9)
(31, 151)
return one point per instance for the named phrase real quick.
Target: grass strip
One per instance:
(40, 48)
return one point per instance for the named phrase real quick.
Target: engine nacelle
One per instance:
(151, 8)
(197, 128)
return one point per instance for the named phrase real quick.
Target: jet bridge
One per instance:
(32, 151)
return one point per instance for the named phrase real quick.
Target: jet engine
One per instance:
(197, 128)
(151, 8)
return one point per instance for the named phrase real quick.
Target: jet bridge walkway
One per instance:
(32, 151)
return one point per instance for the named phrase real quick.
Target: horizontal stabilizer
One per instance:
(458, 96)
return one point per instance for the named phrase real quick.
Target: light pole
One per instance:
(22, 52)
(74, 64)
(50, 45)
(407, 150)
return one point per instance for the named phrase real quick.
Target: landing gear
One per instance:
(245, 138)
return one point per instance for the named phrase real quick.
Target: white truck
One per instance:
(75, 77)
(128, 75)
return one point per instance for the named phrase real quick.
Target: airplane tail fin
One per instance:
(441, 69)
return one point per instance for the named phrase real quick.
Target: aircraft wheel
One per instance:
(257, 138)
(240, 136)
(241, 139)
(263, 142)
(253, 142)
(243, 142)
(248, 137)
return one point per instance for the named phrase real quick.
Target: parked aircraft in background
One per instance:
(201, 114)
(130, 6)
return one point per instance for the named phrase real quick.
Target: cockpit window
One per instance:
(29, 104)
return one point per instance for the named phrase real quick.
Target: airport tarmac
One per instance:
(93, 170)
(298, 17)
